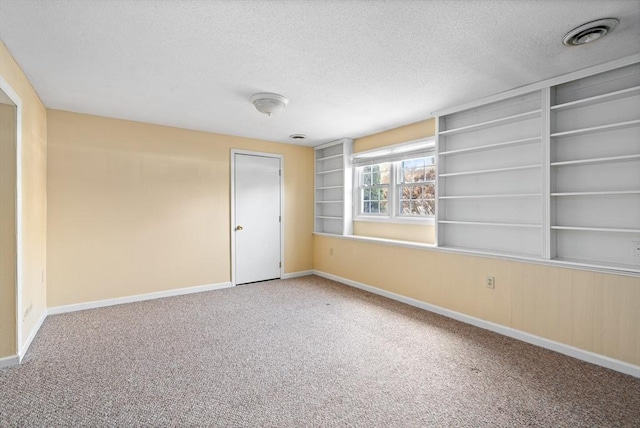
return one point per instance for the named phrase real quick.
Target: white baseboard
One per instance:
(136, 298)
(297, 274)
(36, 328)
(11, 360)
(571, 351)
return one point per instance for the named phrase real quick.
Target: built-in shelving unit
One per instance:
(594, 210)
(333, 176)
(550, 173)
(489, 184)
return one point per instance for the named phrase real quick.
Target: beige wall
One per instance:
(404, 232)
(137, 208)
(414, 131)
(595, 312)
(8, 123)
(34, 198)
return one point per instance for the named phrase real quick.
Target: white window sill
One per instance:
(396, 220)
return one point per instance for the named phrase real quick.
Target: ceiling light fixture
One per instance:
(590, 32)
(298, 136)
(269, 103)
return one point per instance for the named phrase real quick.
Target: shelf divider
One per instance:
(596, 229)
(329, 157)
(496, 122)
(594, 129)
(480, 223)
(489, 171)
(624, 158)
(599, 193)
(329, 171)
(610, 96)
(491, 146)
(507, 196)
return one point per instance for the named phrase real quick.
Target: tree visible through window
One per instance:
(416, 187)
(404, 188)
(375, 181)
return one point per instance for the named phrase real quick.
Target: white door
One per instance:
(257, 218)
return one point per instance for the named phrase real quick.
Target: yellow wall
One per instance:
(8, 123)
(400, 231)
(414, 131)
(34, 198)
(403, 232)
(137, 208)
(596, 312)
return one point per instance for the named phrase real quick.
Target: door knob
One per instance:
(239, 227)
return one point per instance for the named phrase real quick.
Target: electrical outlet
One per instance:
(491, 282)
(331, 251)
(636, 248)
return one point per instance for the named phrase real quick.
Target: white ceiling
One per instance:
(349, 68)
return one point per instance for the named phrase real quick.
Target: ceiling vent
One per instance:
(590, 32)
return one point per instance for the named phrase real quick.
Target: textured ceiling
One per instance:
(349, 68)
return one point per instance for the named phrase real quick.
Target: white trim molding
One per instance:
(297, 274)
(32, 335)
(11, 360)
(136, 298)
(580, 354)
(8, 90)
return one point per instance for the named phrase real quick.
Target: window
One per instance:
(395, 186)
(375, 180)
(416, 187)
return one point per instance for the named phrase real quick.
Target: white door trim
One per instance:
(232, 224)
(6, 87)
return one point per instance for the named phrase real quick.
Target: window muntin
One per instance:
(416, 187)
(374, 189)
(400, 189)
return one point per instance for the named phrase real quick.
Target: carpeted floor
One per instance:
(297, 353)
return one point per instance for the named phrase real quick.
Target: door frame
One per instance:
(13, 96)
(232, 224)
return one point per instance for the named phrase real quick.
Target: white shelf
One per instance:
(329, 171)
(600, 193)
(596, 264)
(478, 223)
(329, 187)
(489, 171)
(594, 129)
(611, 96)
(491, 146)
(329, 157)
(491, 123)
(332, 187)
(536, 196)
(624, 158)
(485, 252)
(506, 196)
(596, 229)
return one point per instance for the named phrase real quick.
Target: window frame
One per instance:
(394, 187)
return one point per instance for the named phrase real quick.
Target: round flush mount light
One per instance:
(268, 103)
(590, 32)
(297, 136)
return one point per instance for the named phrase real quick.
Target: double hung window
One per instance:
(397, 184)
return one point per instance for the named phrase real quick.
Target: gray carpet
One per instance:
(300, 352)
